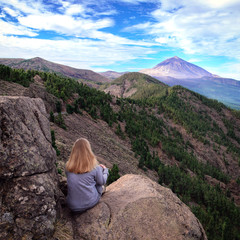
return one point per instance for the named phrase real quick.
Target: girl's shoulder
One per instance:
(93, 171)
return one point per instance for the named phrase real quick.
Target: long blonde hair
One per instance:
(81, 159)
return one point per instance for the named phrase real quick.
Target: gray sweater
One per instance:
(84, 190)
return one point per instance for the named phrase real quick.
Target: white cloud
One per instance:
(75, 9)
(87, 45)
(64, 24)
(219, 3)
(80, 53)
(208, 27)
(12, 29)
(27, 7)
(78, 27)
(196, 26)
(11, 11)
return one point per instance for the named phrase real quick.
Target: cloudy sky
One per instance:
(123, 35)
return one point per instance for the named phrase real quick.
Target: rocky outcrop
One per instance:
(28, 179)
(38, 90)
(35, 90)
(135, 207)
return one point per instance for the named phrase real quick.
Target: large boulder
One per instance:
(135, 207)
(28, 179)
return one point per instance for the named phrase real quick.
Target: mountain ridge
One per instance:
(41, 64)
(186, 141)
(176, 71)
(112, 74)
(212, 86)
(134, 85)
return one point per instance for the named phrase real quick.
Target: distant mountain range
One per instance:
(176, 71)
(112, 74)
(172, 71)
(47, 66)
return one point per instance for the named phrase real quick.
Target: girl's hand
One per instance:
(101, 165)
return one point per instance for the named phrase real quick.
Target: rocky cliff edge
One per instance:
(134, 207)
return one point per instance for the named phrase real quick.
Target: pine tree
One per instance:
(113, 174)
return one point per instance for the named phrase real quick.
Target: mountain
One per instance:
(135, 85)
(179, 139)
(112, 74)
(177, 68)
(176, 71)
(47, 66)
(31, 193)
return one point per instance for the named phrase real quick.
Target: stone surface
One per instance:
(25, 146)
(135, 207)
(35, 90)
(28, 180)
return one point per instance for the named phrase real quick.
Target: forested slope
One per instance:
(190, 141)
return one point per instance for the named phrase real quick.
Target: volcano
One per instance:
(177, 68)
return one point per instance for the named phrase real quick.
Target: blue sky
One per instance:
(123, 35)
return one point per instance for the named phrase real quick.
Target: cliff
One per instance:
(29, 190)
(133, 207)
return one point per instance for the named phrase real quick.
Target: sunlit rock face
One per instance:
(135, 207)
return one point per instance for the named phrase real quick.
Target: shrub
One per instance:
(113, 174)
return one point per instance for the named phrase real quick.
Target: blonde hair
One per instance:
(81, 159)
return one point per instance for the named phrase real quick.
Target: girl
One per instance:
(85, 177)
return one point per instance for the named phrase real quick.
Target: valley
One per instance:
(175, 136)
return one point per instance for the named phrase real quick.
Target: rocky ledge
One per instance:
(134, 207)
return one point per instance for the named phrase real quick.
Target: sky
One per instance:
(123, 35)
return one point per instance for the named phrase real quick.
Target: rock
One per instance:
(135, 207)
(28, 178)
(25, 137)
(37, 90)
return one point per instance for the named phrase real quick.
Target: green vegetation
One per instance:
(59, 170)
(61, 87)
(119, 131)
(59, 106)
(19, 76)
(146, 86)
(113, 174)
(219, 216)
(238, 180)
(146, 125)
(54, 143)
(52, 117)
(60, 121)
